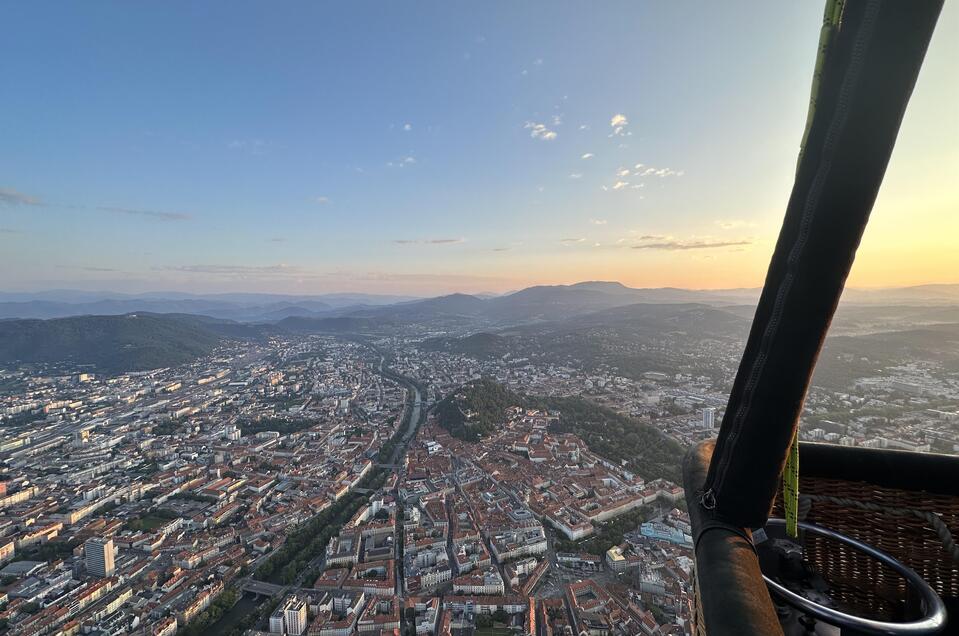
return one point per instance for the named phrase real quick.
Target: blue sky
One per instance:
(423, 147)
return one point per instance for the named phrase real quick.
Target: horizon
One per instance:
(162, 293)
(425, 150)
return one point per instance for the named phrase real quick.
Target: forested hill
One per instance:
(113, 344)
(476, 409)
(644, 448)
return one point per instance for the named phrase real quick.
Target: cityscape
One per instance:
(333, 484)
(498, 318)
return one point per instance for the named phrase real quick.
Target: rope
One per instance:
(791, 487)
(948, 542)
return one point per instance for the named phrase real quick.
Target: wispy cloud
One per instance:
(407, 127)
(279, 269)
(540, 131)
(434, 241)
(402, 162)
(252, 146)
(501, 249)
(276, 239)
(642, 170)
(570, 241)
(639, 171)
(598, 221)
(587, 155)
(12, 197)
(733, 224)
(576, 175)
(8, 230)
(99, 269)
(674, 245)
(321, 200)
(153, 214)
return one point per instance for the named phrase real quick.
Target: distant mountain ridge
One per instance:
(531, 304)
(240, 307)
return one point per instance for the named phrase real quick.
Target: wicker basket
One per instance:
(859, 582)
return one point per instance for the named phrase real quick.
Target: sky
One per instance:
(431, 147)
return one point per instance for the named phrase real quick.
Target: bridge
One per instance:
(261, 587)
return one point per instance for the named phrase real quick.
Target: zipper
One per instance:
(715, 480)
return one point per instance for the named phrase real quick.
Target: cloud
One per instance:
(619, 185)
(254, 146)
(538, 61)
(587, 155)
(673, 245)
(434, 241)
(570, 241)
(402, 162)
(321, 200)
(622, 172)
(557, 120)
(154, 214)
(540, 131)
(276, 239)
(642, 170)
(732, 224)
(99, 269)
(501, 249)
(277, 270)
(618, 123)
(576, 175)
(8, 230)
(407, 127)
(12, 198)
(598, 221)
(584, 126)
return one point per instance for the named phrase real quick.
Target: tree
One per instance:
(484, 620)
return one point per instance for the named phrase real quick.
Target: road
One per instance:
(415, 413)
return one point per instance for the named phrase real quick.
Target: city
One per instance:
(502, 318)
(322, 484)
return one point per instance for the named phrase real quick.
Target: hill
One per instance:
(113, 344)
(478, 345)
(476, 409)
(473, 411)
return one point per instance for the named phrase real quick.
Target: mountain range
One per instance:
(542, 302)
(605, 323)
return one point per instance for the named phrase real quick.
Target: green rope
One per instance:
(791, 488)
(831, 18)
(830, 26)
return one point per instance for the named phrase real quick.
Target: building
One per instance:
(294, 616)
(290, 617)
(709, 418)
(99, 556)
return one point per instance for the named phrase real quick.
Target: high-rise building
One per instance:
(276, 621)
(99, 556)
(709, 418)
(294, 615)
